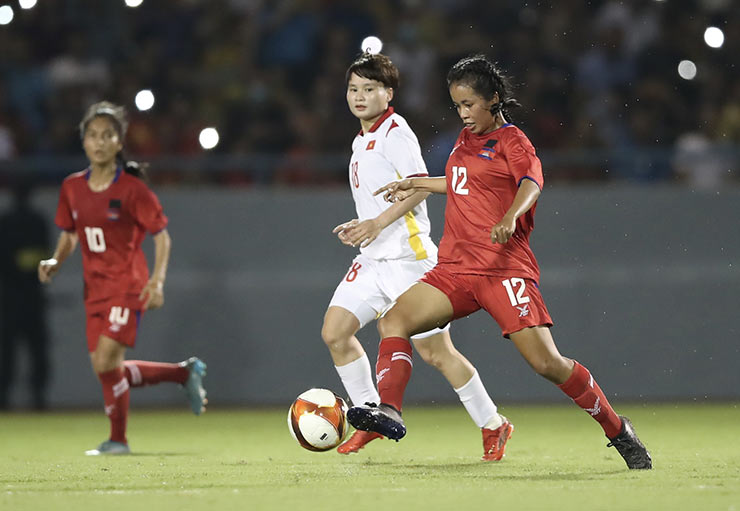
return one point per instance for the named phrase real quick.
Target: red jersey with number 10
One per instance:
(483, 175)
(111, 225)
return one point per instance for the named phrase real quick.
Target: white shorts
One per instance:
(371, 287)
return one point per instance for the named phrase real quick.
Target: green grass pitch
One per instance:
(242, 459)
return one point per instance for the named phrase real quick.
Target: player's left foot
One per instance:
(109, 447)
(382, 418)
(494, 440)
(194, 384)
(629, 446)
(357, 441)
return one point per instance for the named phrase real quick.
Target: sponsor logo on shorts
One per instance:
(523, 311)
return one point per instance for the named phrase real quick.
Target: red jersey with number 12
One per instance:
(483, 175)
(111, 225)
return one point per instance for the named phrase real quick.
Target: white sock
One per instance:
(357, 378)
(478, 403)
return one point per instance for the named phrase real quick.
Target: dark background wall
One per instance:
(643, 283)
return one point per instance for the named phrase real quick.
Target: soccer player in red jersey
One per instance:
(492, 180)
(109, 207)
(395, 251)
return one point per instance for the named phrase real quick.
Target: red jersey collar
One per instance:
(377, 124)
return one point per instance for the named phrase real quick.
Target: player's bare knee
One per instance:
(333, 337)
(391, 325)
(433, 358)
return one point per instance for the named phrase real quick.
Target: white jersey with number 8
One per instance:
(390, 151)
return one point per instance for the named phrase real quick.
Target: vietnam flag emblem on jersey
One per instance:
(370, 145)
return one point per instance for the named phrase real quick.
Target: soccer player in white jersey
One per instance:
(395, 251)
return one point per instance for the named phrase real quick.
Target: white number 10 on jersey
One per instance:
(95, 239)
(459, 180)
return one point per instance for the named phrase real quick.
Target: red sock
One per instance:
(116, 398)
(393, 370)
(583, 389)
(140, 373)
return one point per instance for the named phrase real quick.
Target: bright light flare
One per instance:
(687, 70)
(208, 138)
(27, 4)
(714, 37)
(133, 3)
(6, 14)
(144, 100)
(371, 44)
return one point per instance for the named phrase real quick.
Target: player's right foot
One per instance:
(494, 440)
(109, 447)
(194, 384)
(382, 418)
(630, 448)
(357, 441)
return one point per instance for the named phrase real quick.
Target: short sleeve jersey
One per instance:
(387, 152)
(483, 175)
(111, 225)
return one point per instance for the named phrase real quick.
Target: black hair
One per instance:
(486, 79)
(117, 116)
(374, 66)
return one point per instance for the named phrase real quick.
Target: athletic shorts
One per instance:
(515, 303)
(118, 322)
(371, 287)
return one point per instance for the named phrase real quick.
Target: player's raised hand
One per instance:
(396, 191)
(364, 232)
(341, 231)
(152, 294)
(504, 230)
(47, 269)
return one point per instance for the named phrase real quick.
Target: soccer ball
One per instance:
(317, 419)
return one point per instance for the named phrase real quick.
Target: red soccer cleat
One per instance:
(357, 441)
(494, 440)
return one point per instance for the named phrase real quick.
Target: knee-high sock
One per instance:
(140, 372)
(478, 403)
(393, 370)
(116, 399)
(583, 389)
(357, 378)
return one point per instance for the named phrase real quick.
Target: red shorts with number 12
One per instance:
(514, 302)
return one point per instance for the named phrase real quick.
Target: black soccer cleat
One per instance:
(383, 419)
(630, 448)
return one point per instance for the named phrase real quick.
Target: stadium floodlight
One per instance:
(371, 44)
(144, 100)
(27, 4)
(6, 14)
(687, 70)
(208, 138)
(714, 37)
(133, 3)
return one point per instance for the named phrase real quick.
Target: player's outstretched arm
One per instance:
(66, 244)
(153, 292)
(403, 189)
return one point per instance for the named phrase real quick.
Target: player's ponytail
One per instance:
(482, 75)
(135, 168)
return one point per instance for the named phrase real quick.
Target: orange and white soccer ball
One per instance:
(317, 419)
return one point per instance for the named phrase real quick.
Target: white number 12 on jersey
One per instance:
(95, 239)
(459, 180)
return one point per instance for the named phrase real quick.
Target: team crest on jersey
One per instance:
(487, 152)
(370, 145)
(114, 209)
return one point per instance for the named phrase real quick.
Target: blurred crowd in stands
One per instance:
(598, 81)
